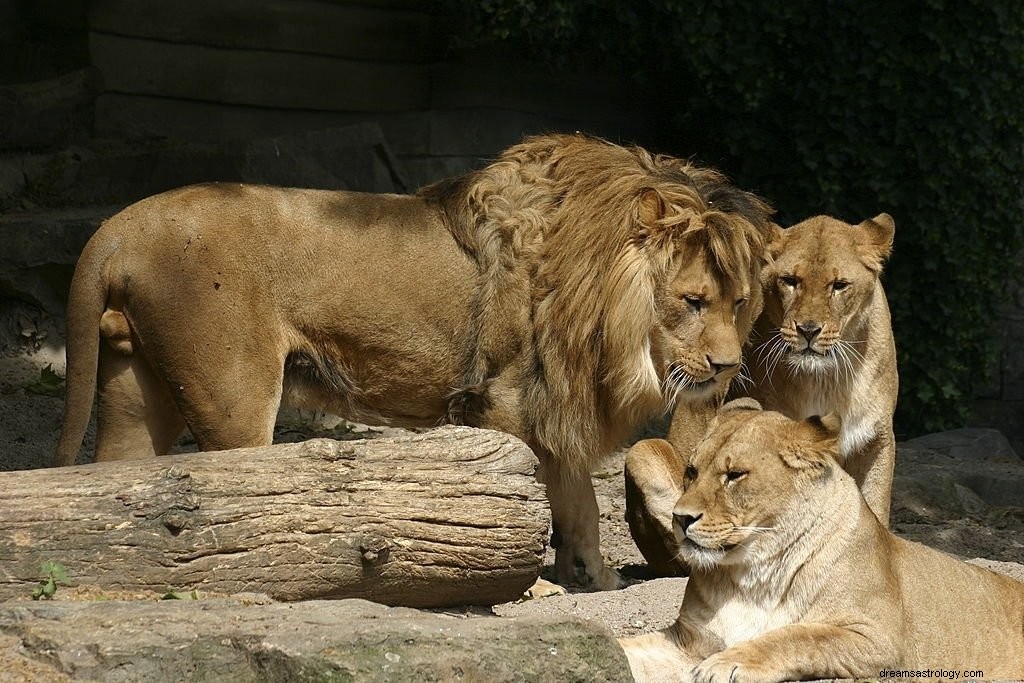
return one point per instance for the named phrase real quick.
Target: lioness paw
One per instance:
(725, 669)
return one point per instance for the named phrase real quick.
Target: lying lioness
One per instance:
(793, 577)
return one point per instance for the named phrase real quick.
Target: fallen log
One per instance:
(338, 640)
(451, 516)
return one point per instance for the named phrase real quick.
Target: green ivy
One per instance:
(849, 108)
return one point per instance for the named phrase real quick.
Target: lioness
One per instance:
(794, 577)
(823, 344)
(564, 294)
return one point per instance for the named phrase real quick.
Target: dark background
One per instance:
(846, 108)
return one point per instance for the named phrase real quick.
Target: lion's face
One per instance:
(818, 288)
(745, 476)
(703, 320)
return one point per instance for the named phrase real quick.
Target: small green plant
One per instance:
(53, 573)
(49, 383)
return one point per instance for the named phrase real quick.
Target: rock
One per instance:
(349, 158)
(48, 113)
(970, 445)
(347, 640)
(981, 460)
(40, 251)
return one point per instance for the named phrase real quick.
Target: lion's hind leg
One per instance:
(136, 415)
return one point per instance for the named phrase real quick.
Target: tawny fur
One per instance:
(549, 295)
(849, 368)
(793, 576)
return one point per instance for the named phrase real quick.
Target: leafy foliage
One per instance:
(53, 573)
(846, 108)
(49, 383)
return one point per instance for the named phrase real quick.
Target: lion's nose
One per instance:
(685, 521)
(809, 329)
(720, 366)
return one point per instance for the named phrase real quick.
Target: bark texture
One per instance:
(451, 516)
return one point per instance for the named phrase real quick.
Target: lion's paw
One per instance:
(600, 578)
(722, 668)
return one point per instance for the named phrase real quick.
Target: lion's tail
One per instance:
(86, 303)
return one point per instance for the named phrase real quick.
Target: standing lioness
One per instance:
(565, 294)
(793, 577)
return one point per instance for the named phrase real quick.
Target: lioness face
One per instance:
(740, 480)
(703, 320)
(817, 290)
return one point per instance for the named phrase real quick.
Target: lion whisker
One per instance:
(848, 346)
(743, 376)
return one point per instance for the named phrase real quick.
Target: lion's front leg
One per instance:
(574, 518)
(795, 652)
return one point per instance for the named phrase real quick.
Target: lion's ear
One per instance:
(650, 209)
(658, 222)
(879, 232)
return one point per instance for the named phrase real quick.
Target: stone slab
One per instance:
(348, 640)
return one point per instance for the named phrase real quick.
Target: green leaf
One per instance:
(49, 383)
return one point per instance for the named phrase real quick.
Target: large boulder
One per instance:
(230, 640)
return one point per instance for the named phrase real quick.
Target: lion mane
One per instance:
(552, 225)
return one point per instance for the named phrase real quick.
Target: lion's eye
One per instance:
(734, 475)
(788, 280)
(691, 472)
(840, 285)
(740, 303)
(695, 302)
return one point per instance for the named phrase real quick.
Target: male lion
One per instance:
(564, 294)
(794, 577)
(826, 346)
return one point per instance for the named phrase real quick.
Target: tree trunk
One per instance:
(452, 516)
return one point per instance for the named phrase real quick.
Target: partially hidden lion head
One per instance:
(817, 290)
(746, 477)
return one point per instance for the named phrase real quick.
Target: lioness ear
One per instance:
(879, 232)
(776, 237)
(815, 444)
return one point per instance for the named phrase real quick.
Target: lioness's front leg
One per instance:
(796, 652)
(872, 469)
(669, 655)
(574, 518)
(654, 475)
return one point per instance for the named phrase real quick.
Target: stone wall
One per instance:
(196, 70)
